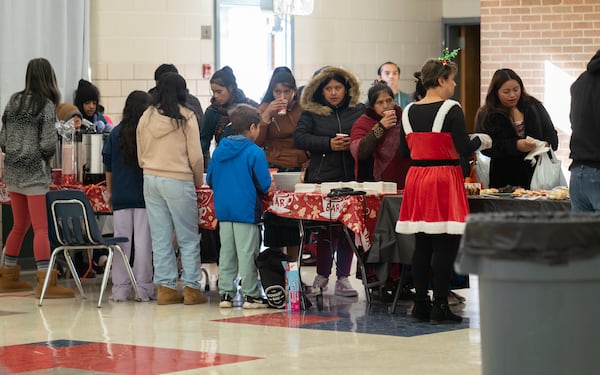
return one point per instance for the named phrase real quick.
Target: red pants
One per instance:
(28, 210)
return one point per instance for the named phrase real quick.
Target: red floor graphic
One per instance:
(111, 358)
(280, 319)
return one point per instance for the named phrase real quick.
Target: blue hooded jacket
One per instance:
(239, 175)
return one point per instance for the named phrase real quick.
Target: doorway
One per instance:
(465, 33)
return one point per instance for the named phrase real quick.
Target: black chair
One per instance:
(72, 226)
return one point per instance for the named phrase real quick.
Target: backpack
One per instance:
(272, 276)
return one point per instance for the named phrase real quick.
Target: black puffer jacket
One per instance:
(320, 122)
(585, 116)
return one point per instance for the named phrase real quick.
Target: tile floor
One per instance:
(348, 337)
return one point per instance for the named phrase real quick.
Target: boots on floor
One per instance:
(421, 311)
(9, 280)
(53, 290)
(193, 296)
(168, 296)
(441, 314)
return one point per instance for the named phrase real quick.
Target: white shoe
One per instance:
(320, 283)
(343, 288)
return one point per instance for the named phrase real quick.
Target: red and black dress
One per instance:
(435, 200)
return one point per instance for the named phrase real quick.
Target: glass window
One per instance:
(252, 41)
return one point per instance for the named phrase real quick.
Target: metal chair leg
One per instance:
(105, 275)
(360, 263)
(74, 273)
(128, 269)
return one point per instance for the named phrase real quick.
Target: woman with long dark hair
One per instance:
(168, 149)
(226, 95)
(124, 189)
(512, 117)
(280, 110)
(28, 138)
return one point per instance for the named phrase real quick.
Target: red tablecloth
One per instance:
(95, 193)
(348, 210)
(358, 213)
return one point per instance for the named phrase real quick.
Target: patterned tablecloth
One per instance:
(96, 194)
(357, 212)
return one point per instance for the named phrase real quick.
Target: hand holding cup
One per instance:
(283, 106)
(340, 142)
(389, 118)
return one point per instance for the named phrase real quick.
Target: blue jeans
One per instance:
(584, 189)
(171, 204)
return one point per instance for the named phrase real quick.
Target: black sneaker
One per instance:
(226, 301)
(255, 303)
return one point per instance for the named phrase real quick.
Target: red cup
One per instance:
(57, 177)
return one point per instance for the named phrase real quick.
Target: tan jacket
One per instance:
(166, 150)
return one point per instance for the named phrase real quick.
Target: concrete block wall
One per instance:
(129, 39)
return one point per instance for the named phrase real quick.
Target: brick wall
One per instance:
(547, 42)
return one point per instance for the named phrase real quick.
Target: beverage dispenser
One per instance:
(91, 168)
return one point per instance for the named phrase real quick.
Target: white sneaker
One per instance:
(320, 283)
(343, 288)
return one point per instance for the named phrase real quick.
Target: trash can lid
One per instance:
(551, 237)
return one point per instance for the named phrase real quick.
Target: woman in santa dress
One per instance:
(435, 202)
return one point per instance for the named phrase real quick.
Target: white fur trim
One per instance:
(438, 122)
(405, 122)
(411, 227)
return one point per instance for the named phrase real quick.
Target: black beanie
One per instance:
(86, 91)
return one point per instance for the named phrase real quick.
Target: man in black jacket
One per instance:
(584, 188)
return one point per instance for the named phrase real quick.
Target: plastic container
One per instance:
(539, 289)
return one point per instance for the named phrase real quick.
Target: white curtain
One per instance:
(57, 30)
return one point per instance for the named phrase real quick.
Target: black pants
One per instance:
(434, 259)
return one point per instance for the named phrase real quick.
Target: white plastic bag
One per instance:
(482, 169)
(548, 173)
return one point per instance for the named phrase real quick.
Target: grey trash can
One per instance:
(539, 290)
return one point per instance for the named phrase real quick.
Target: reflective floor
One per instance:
(73, 336)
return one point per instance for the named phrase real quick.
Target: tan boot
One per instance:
(9, 280)
(193, 296)
(168, 296)
(53, 290)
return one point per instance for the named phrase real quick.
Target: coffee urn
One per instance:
(90, 166)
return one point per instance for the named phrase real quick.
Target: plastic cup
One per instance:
(341, 135)
(283, 111)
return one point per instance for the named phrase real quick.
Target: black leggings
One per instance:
(434, 259)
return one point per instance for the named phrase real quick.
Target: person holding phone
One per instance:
(331, 106)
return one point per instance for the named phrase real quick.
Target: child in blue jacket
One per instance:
(239, 175)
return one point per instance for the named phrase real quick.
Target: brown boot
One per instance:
(168, 296)
(193, 296)
(9, 280)
(53, 290)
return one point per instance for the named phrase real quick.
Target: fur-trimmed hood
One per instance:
(309, 101)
